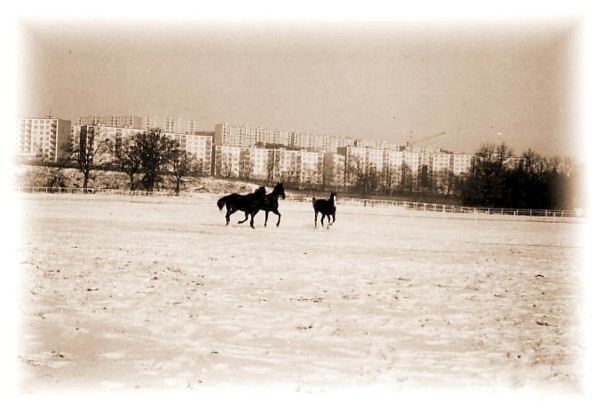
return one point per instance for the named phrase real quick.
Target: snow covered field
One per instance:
(140, 293)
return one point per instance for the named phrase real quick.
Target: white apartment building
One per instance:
(132, 122)
(285, 165)
(232, 135)
(376, 158)
(301, 140)
(381, 144)
(333, 169)
(241, 135)
(441, 162)
(461, 163)
(166, 124)
(310, 168)
(255, 163)
(227, 161)
(332, 143)
(394, 162)
(201, 147)
(43, 138)
(355, 159)
(275, 165)
(363, 158)
(276, 137)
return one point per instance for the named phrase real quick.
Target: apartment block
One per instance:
(310, 168)
(285, 166)
(46, 138)
(393, 167)
(132, 122)
(201, 147)
(362, 161)
(169, 124)
(276, 137)
(333, 169)
(166, 124)
(276, 165)
(255, 163)
(227, 160)
(241, 135)
(461, 163)
(231, 135)
(301, 140)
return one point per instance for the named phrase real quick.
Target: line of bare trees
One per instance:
(531, 182)
(496, 179)
(149, 154)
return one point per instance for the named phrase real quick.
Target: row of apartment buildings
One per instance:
(244, 152)
(241, 135)
(342, 168)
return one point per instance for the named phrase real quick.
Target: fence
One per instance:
(413, 206)
(433, 207)
(442, 208)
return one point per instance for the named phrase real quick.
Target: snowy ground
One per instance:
(136, 293)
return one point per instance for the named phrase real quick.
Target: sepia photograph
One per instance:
(255, 208)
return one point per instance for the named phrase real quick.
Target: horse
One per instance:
(271, 203)
(326, 208)
(249, 204)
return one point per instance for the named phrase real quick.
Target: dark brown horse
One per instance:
(249, 204)
(326, 207)
(271, 203)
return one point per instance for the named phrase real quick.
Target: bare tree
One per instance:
(270, 166)
(128, 158)
(361, 175)
(406, 178)
(225, 166)
(246, 165)
(89, 148)
(181, 164)
(154, 150)
(387, 179)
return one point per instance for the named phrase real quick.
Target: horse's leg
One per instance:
(266, 216)
(278, 217)
(252, 219)
(316, 214)
(246, 218)
(227, 216)
(333, 215)
(322, 218)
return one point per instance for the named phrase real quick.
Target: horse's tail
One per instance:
(221, 202)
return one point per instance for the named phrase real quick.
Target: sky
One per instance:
(465, 81)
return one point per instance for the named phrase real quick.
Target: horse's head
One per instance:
(278, 190)
(333, 196)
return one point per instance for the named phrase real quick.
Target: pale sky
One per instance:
(480, 82)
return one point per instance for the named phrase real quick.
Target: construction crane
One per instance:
(422, 139)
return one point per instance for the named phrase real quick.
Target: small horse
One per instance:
(326, 208)
(271, 203)
(249, 204)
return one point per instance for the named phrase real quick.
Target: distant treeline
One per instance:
(497, 179)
